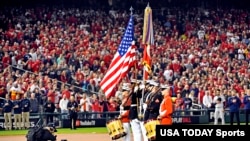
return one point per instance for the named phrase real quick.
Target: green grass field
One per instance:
(88, 130)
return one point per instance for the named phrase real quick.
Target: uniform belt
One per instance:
(133, 105)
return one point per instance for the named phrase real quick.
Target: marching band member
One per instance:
(166, 107)
(124, 113)
(133, 113)
(154, 101)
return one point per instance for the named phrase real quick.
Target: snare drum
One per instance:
(150, 127)
(115, 129)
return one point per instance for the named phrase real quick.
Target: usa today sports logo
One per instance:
(201, 131)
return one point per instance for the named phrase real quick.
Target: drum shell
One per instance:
(150, 127)
(115, 129)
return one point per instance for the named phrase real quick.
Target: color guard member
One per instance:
(148, 92)
(154, 101)
(145, 112)
(166, 107)
(134, 111)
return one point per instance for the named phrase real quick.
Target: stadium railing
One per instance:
(99, 119)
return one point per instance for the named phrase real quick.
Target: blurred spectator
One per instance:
(49, 109)
(34, 104)
(178, 104)
(63, 106)
(187, 104)
(207, 100)
(85, 106)
(95, 106)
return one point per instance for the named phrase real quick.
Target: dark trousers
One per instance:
(72, 119)
(146, 115)
(49, 118)
(247, 112)
(237, 114)
(153, 116)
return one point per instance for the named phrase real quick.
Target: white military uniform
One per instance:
(144, 132)
(135, 123)
(219, 113)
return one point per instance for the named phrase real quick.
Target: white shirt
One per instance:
(85, 101)
(201, 34)
(219, 106)
(216, 97)
(18, 89)
(168, 74)
(20, 64)
(207, 100)
(33, 87)
(63, 104)
(34, 56)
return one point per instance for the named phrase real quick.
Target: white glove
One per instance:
(136, 88)
(144, 106)
(136, 120)
(121, 107)
(142, 86)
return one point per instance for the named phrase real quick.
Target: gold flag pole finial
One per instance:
(131, 10)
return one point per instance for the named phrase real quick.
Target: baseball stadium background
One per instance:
(90, 128)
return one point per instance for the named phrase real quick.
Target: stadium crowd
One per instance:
(52, 53)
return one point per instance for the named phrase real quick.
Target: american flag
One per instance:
(122, 61)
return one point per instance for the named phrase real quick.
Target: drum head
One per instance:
(110, 121)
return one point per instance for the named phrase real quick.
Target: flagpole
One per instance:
(146, 44)
(143, 82)
(143, 91)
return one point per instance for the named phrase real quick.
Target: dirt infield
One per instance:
(69, 137)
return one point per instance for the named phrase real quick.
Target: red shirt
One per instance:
(52, 95)
(112, 106)
(95, 106)
(6, 61)
(67, 93)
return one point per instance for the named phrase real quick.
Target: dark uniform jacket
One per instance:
(7, 108)
(154, 105)
(49, 107)
(25, 105)
(135, 99)
(18, 103)
(72, 104)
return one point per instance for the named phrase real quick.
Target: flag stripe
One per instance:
(121, 62)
